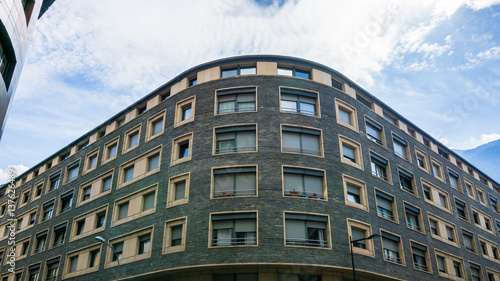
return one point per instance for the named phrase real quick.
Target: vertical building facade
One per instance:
(17, 21)
(253, 168)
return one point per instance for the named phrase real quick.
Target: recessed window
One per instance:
(307, 230)
(455, 180)
(481, 196)
(131, 139)
(461, 209)
(25, 196)
(174, 239)
(469, 188)
(449, 266)
(66, 202)
(236, 100)
(413, 217)
(301, 140)
(364, 101)
(34, 270)
(47, 211)
(355, 193)
(380, 167)
(234, 181)
(350, 152)
(144, 244)
(155, 125)
(337, 85)
(135, 205)
(40, 242)
(37, 193)
(482, 220)
(95, 188)
(181, 149)
(292, 71)
(233, 229)
(400, 147)
(238, 70)
(153, 162)
(110, 150)
(305, 183)
(390, 118)
(475, 271)
(346, 115)
(422, 160)
(131, 247)
(72, 171)
(298, 101)
(90, 161)
(374, 132)
(193, 81)
(235, 139)
(52, 268)
(178, 190)
(443, 153)
(89, 223)
(58, 235)
(82, 262)
(406, 181)
(469, 241)
(436, 196)
(437, 170)
(443, 230)
(386, 206)
(489, 249)
(184, 111)
(141, 110)
(54, 181)
(494, 203)
(359, 230)
(420, 256)
(392, 247)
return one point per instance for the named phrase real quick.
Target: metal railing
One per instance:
(298, 110)
(306, 242)
(237, 109)
(374, 139)
(413, 226)
(235, 149)
(301, 150)
(385, 213)
(420, 266)
(304, 194)
(234, 241)
(392, 256)
(231, 193)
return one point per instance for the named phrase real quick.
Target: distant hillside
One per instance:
(485, 157)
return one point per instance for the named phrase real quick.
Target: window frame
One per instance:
(299, 92)
(358, 153)
(467, 184)
(455, 175)
(180, 106)
(236, 167)
(236, 149)
(425, 158)
(139, 166)
(24, 197)
(303, 171)
(83, 258)
(89, 219)
(171, 202)
(176, 143)
(211, 228)
(482, 216)
(235, 91)
(53, 235)
(427, 256)
(363, 193)
(407, 175)
(106, 150)
(167, 236)
(95, 185)
(392, 236)
(378, 127)
(54, 176)
(302, 130)
(442, 230)
(440, 168)
(87, 161)
(127, 139)
(36, 186)
(464, 205)
(379, 160)
(351, 110)
(384, 195)
(472, 236)
(130, 239)
(433, 191)
(293, 69)
(447, 258)
(480, 193)
(43, 210)
(327, 234)
(152, 121)
(406, 146)
(135, 205)
(369, 249)
(238, 69)
(415, 210)
(62, 197)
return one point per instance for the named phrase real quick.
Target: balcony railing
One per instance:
(420, 266)
(301, 150)
(392, 256)
(306, 242)
(414, 226)
(303, 194)
(232, 193)
(234, 241)
(235, 149)
(374, 139)
(385, 213)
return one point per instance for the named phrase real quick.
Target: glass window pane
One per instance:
(180, 190)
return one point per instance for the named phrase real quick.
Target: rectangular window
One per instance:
(72, 171)
(52, 269)
(450, 267)
(359, 230)
(307, 230)
(40, 241)
(58, 235)
(364, 101)
(346, 115)
(355, 193)
(386, 206)
(481, 195)
(298, 101)
(234, 229)
(131, 139)
(393, 250)
(461, 208)
(469, 188)
(437, 170)
(174, 239)
(413, 217)
(443, 230)
(238, 70)
(350, 152)
(155, 125)
(420, 257)
(374, 132)
(482, 220)
(305, 183)
(25, 197)
(469, 241)
(455, 180)
(178, 190)
(301, 140)
(185, 111)
(422, 160)
(235, 181)
(389, 118)
(110, 150)
(47, 211)
(144, 244)
(65, 202)
(97, 187)
(181, 149)
(475, 271)
(494, 204)
(54, 182)
(245, 277)
(236, 100)
(88, 223)
(406, 181)
(131, 247)
(380, 167)
(90, 161)
(295, 72)
(34, 273)
(135, 205)
(235, 139)
(337, 85)
(400, 147)
(436, 196)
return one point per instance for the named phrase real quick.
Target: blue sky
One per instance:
(435, 62)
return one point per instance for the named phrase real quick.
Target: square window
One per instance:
(400, 147)
(359, 230)
(355, 193)
(193, 81)
(375, 132)
(307, 230)
(299, 101)
(235, 139)
(337, 85)
(175, 236)
(301, 140)
(386, 206)
(181, 151)
(132, 139)
(380, 167)
(236, 100)
(234, 181)
(184, 111)
(233, 229)
(350, 152)
(346, 115)
(364, 101)
(305, 183)
(392, 247)
(178, 190)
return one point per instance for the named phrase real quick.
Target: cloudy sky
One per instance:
(435, 62)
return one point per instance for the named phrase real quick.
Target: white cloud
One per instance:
(490, 54)
(15, 170)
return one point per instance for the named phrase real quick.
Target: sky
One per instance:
(436, 62)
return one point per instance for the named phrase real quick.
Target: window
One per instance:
(450, 267)
(2, 209)
(130, 247)
(178, 190)
(193, 81)
(292, 71)
(364, 101)
(155, 126)
(54, 182)
(234, 229)
(392, 247)
(141, 110)
(475, 271)
(144, 244)
(120, 122)
(482, 220)
(444, 154)
(301, 140)
(110, 149)
(25, 197)
(437, 170)
(135, 205)
(184, 111)
(422, 160)
(153, 162)
(117, 255)
(97, 187)
(406, 181)
(238, 70)
(140, 167)
(72, 171)
(58, 236)
(236, 100)
(34, 272)
(380, 167)
(181, 149)
(436, 196)
(386, 206)
(305, 183)
(493, 275)
(66, 201)
(298, 101)
(83, 145)
(350, 152)
(37, 190)
(389, 118)
(443, 230)
(413, 217)
(461, 209)
(131, 139)
(481, 196)
(359, 230)
(420, 257)
(82, 261)
(40, 241)
(469, 188)
(235, 139)
(64, 156)
(234, 181)
(88, 223)
(174, 239)
(337, 85)
(91, 161)
(489, 249)
(494, 204)
(455, 180)
(307, 230)
(346, 115)
(47, 211)
(374, 132)
(52, 269)
(400, 147)
(355, 193)
(469, 241)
